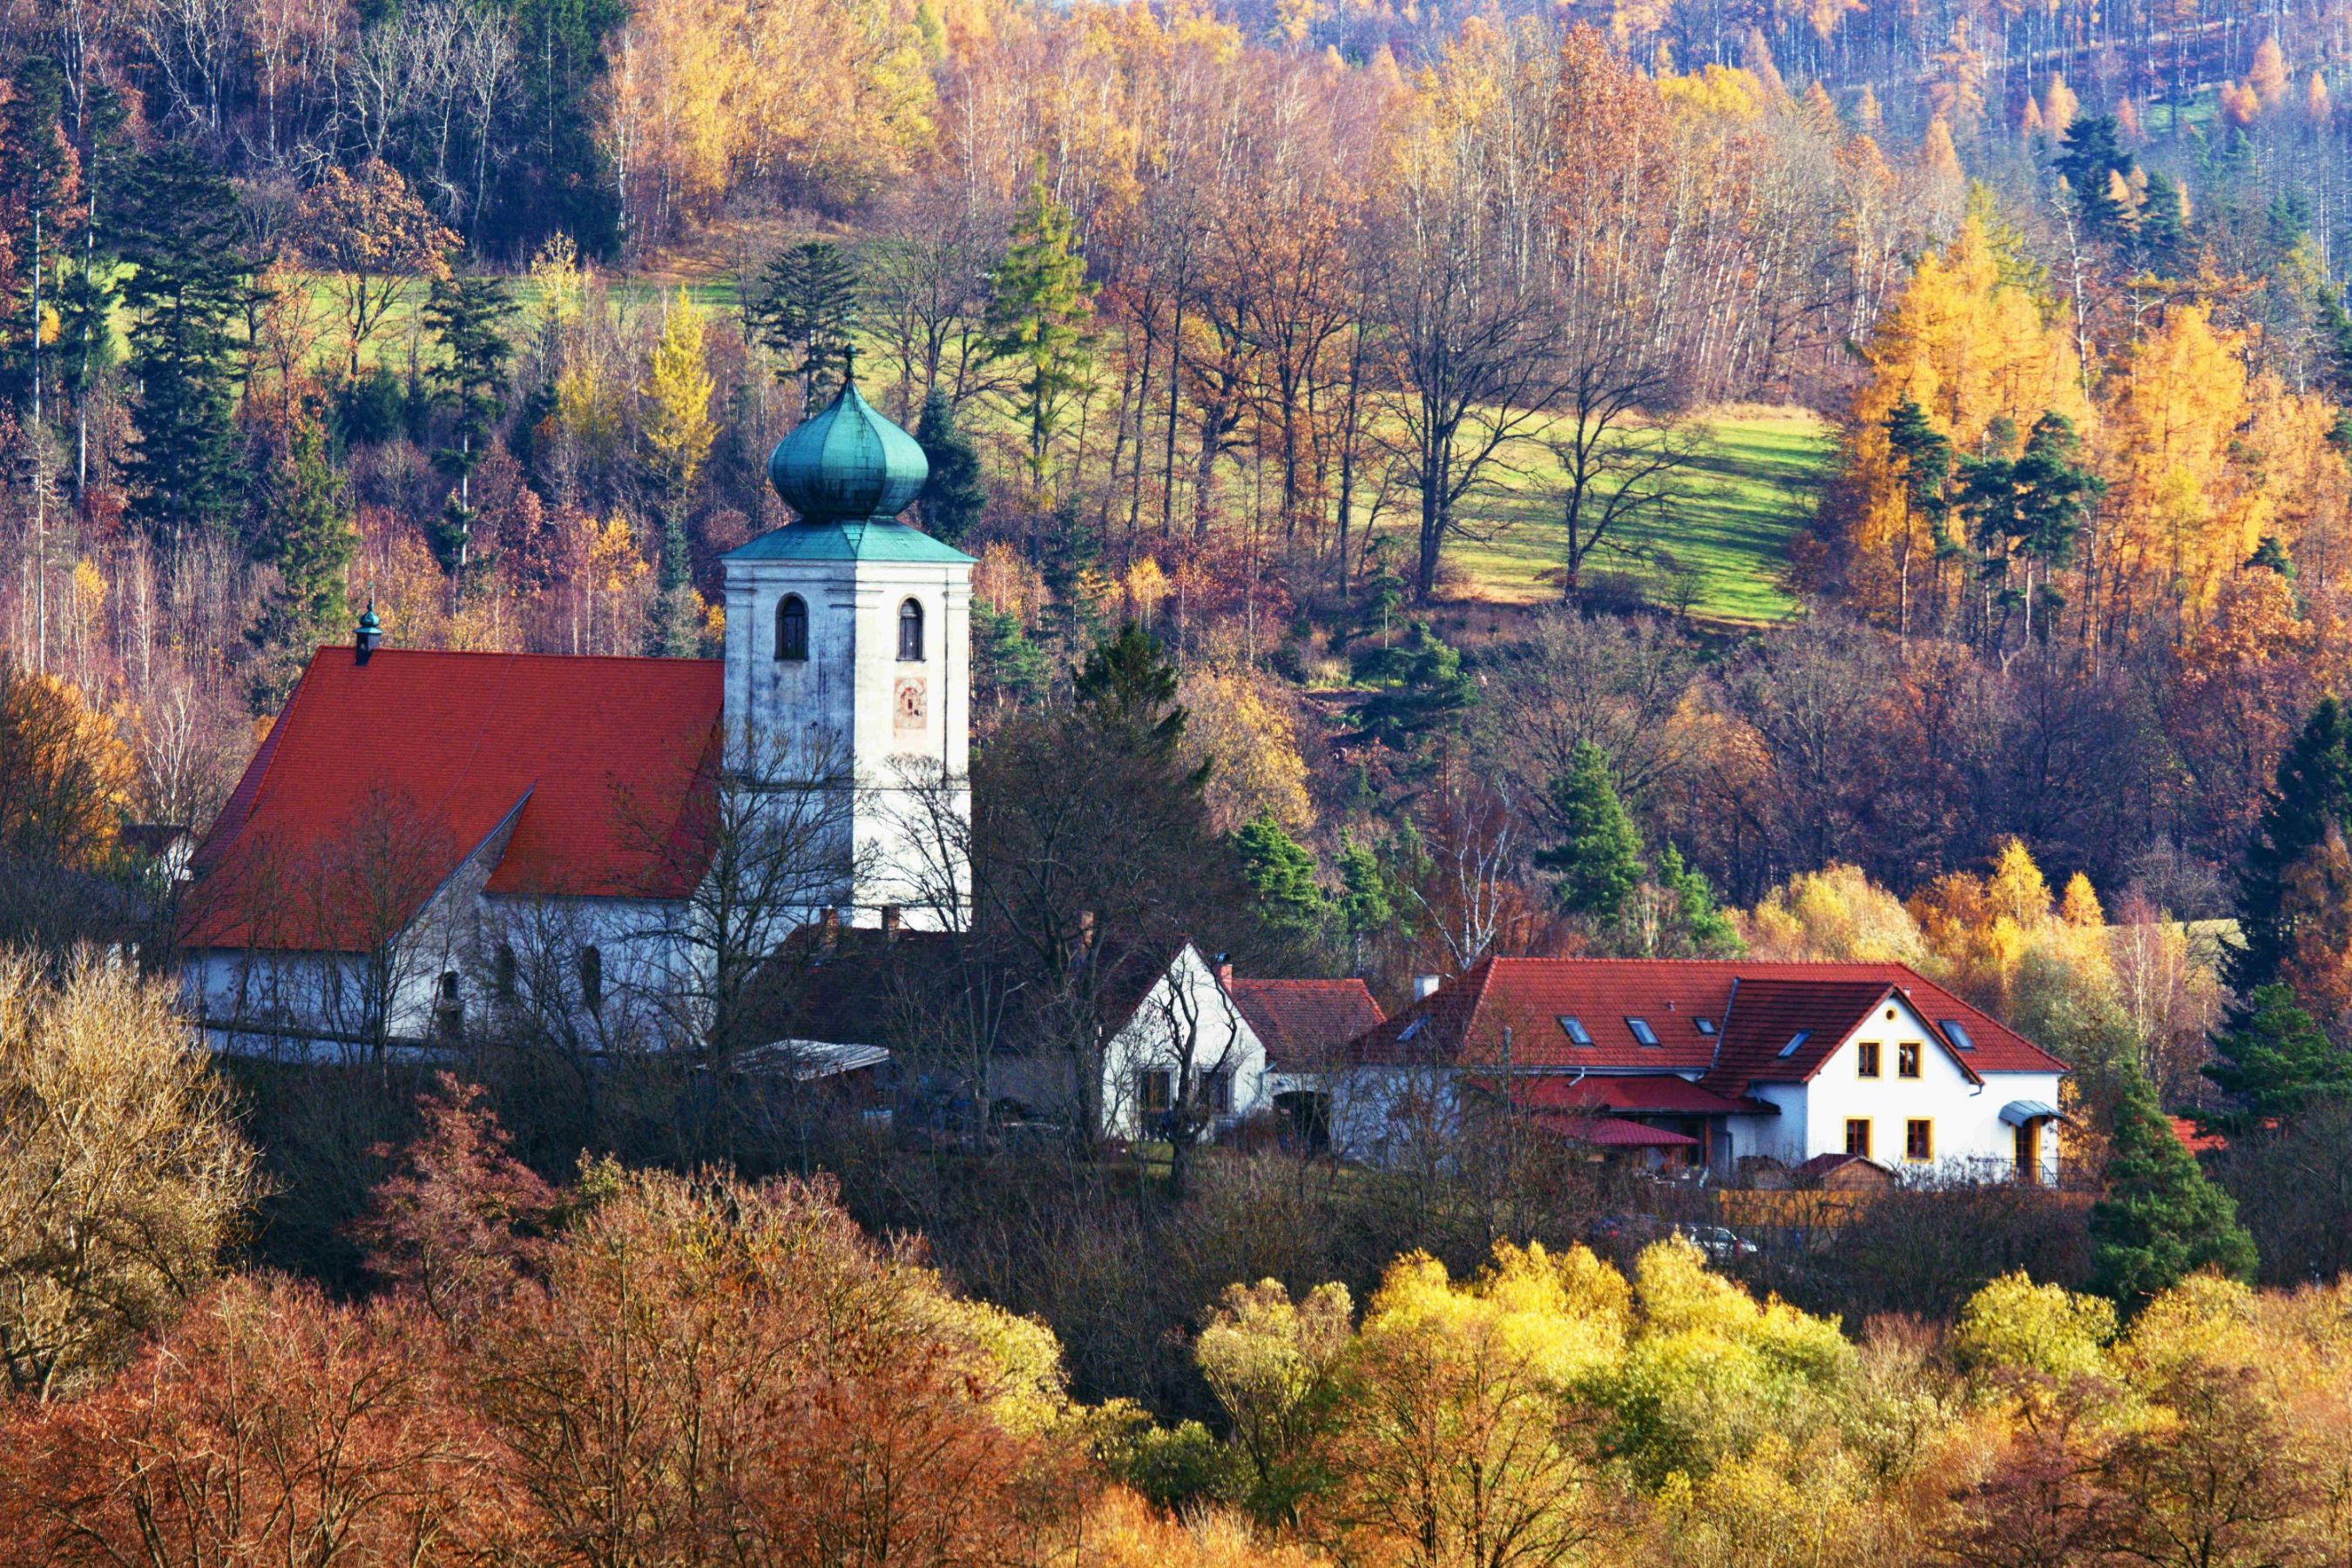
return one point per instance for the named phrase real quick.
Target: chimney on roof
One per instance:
(1424, 985)
(890, 922)
(370, 633)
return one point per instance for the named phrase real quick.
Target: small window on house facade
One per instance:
(1918, 1140)
(449, 1008)
(505, 967)
(1155, 1091)
(1907, 1059)
(792, 628)
(1578, 1034)
(591, 979)
(1866, 1059)
(1857, 1136)
(1217, 1093)
(911, 631)
(1642, 1033)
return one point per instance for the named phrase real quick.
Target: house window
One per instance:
(1155, 1091)
(505, 970)
(1866, 1059)
(1578, 1034)
(1958, 1033)
(1705, 1026)
(1857, 1136)
(449, 1008)
(1217, 1093)
(2028, 1146)
(1642, 1033)
(1907, 1059)
(792, 627)
(911, 631)
(1918, 1140)
(591, 979)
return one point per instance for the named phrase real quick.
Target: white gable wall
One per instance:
(1964, 1118)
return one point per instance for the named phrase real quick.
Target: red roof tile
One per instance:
(1770, 1015)
(1464, 1021)
(421, 756)
(1305, 1021)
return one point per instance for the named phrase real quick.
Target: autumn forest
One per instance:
(1678, 478)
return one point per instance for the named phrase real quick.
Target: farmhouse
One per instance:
(1708, 1063)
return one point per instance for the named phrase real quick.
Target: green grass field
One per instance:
(1753, 488)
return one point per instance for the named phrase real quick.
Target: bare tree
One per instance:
(1623, 446)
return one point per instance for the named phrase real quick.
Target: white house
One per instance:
(1710, 1063)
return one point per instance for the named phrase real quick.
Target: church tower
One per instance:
(849, 666)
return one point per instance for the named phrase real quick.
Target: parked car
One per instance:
(1720, 1245)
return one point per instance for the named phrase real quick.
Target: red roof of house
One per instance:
(1719, 1017)
(2195, 1139)
(1609, 1133)
(1305, 1021)
(379, 780)
(1641, 1095)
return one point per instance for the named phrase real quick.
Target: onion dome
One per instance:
(849, 464)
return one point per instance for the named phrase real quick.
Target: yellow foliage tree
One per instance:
(679, 427)
(1241, 723)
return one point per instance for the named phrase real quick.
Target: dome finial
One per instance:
(847, 463)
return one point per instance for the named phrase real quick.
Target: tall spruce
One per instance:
(1596, 859)
(39, 182)
(185, 297)
(804, 310)
(2311, 794)
(305, 532)
(2160, 1219)
(953, 497)
(467, 314)
(2275, 1064)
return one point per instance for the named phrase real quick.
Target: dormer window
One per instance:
(910, 632)
(1642, 1033)
(792, 628)
(1578, 1034)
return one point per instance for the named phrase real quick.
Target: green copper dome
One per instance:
(849, 464)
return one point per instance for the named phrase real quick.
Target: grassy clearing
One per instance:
(1753, 488)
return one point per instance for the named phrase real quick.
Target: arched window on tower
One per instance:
(792, 627)
(910, 630)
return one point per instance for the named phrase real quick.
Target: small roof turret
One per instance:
(849, 464)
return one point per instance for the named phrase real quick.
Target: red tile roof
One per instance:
(1609, 1133)
(1464, 1021)
(1304, 1022)
(1768, 1016)
(2195, 1139)
(419, 757)
(1642, 1095)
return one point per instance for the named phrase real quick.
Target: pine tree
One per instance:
(1598, 854)
(305, 532)
(1696, 925)
(1926, 461)
(39, 182)
(2311, 794)
(2276, 1063)
(1281, 872)
(953, 497)
(678, 617)
(189, 286)
(1007, 666)
(804, 310)
(2160, 1219)
(1370, 898)
(466, 313)
(2091, 159)
(1128, 686)
(1423, 688)
(1039, 308)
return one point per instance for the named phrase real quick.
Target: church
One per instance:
(425, 837)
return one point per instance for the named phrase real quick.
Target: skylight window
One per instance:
(1795, 1041)
(1641, 1031)
(1578, 1034)
(1705, 1026)
(1410, 1030)
(1955, 1032)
